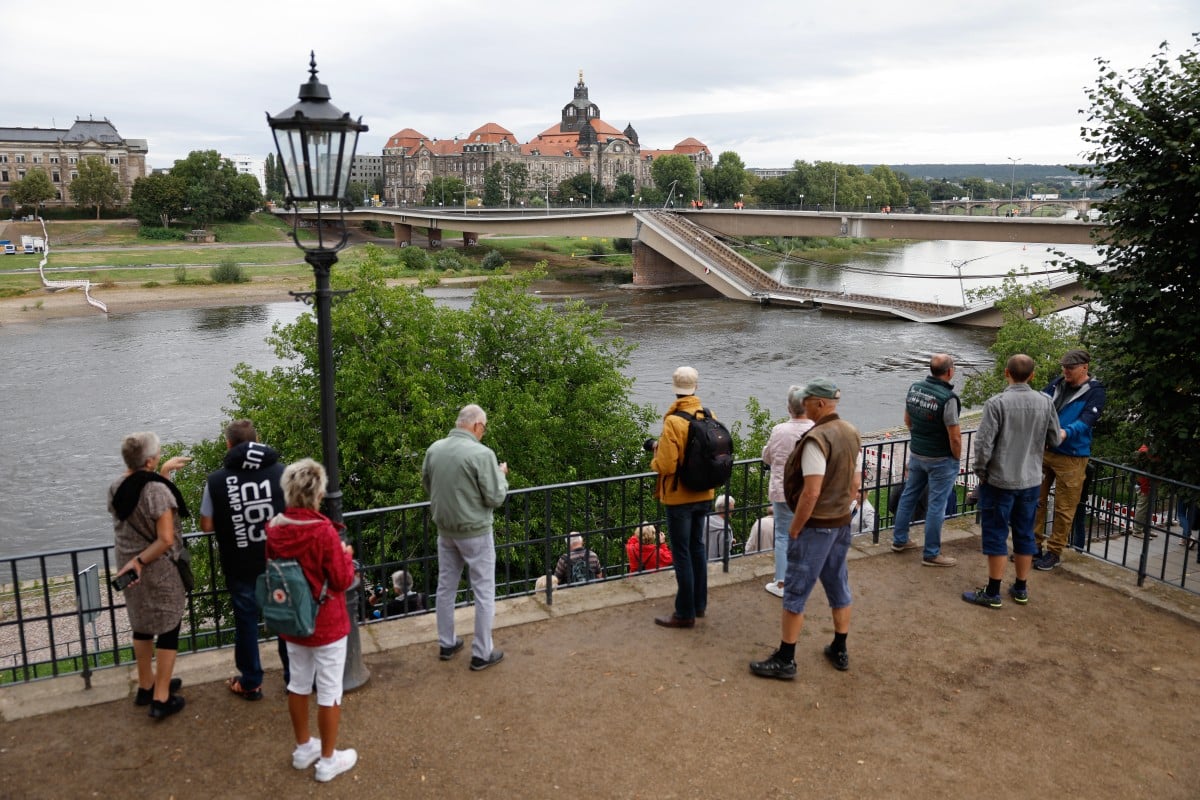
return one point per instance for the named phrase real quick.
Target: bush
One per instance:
(414, 258)
(493, 260)
(599, 248)
(181, 275)
(623, 245)
(228, 271)
(150, 285)
(160, 234)
(370, 226)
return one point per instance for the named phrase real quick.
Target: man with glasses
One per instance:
(465, 483)
(1078, 399)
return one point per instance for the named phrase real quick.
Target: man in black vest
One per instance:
(239, 500)
(931, 413)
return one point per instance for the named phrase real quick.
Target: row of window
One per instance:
(55, 177)
(19, 158)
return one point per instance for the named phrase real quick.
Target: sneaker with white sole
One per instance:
(904, 547)
(307, 754)
(774, 588)
(939, 561)
(336, 764)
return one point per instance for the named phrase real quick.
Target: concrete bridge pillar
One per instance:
(435, 238)
(650, 268)
(403, 234)
(470, 239)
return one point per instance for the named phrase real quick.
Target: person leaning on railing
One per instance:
(146, 508)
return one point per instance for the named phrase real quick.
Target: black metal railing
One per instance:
(58, 614)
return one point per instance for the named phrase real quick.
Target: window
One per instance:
(20, 174)
(74, 174)
(54, 176)
(4, 158)
(72, 159)
(4, 176)
(37, 159)
(114, 161)
(53, 159)
(21, 159)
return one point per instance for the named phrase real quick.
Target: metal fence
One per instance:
(58, 614)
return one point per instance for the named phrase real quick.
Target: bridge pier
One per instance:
(435, 238)
(651, 268)
(403, 234)
(470, 239)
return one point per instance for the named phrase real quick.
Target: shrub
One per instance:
(228, 271)
(599, 248)
(493, 260)
(160, 234)
(370, 226)
(150, 285)
(623, 245)
(181, 275)
(414, 258)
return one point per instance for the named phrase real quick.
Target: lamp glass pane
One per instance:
(319, 143)
(291, 153)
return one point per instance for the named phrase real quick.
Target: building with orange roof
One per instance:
(580, 142)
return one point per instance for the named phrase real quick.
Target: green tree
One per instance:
(156, 199)
(275, 179)
(493, 185)
(34, 189)
(357, 193)
(624, 188)
(445, 191)
(1146, 333)
(726, 181)
(550, 378)
(678, 170)
(96, 184)
(1029, 327)
(215, 191)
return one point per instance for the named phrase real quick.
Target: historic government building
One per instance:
(580, 142)
(57, 151)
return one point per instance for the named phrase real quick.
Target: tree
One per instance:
(493, 185)
(215, 191)
(675, 169)
(1146, 332)
(1029, 327)
(445, 191)
(96, 184)
(156, 199)
(624, 189)
(275, 179)
(726, 181)
(549, 376)
(34, 189)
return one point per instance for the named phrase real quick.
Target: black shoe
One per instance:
(675, 622)
(144, 696)
(447, 653)
(478, 663)
(840, 658)
(1047, 562)
(173, 705)
(774, 667)
(700, 614)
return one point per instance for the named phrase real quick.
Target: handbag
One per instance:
(184, 565)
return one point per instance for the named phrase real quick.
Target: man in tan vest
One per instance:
(819, 537)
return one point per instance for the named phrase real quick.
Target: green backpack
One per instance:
(286, 599)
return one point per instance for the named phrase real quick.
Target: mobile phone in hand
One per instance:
(124, 579)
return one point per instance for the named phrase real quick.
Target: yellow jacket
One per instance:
(669, 455)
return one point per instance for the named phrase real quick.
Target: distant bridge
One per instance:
(685, 247)
(1027, 206)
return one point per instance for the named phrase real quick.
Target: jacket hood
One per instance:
(291, 533)
(250, 456)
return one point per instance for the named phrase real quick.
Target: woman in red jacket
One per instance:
(305, 534)
(647, 549)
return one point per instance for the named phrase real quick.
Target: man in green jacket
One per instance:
(465, 483)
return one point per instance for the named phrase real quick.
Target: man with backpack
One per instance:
(238, 501)
(579, 564)
(693, 455)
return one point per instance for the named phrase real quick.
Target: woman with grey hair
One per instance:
(146, 508)
(775, 455)
(303, 533)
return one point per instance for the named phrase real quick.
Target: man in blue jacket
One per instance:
(1079, 400)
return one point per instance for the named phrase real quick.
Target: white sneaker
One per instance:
(305, 755)
(774, 588)
(339, 762)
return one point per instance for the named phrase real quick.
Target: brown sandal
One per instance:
(235, 685)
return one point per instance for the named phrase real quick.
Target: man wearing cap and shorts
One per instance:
(687, 509)
(819, 536)
(1079, 400)
(1017, 425)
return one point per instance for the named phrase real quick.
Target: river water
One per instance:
(71, 388)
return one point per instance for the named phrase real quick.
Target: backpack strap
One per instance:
(683, 450)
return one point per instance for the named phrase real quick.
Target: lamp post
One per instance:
(316, 144)
(868, 204)
(1012, 182)
(834, 192)
(801, 202)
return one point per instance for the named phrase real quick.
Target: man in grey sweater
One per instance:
(1018, 424)
(465, 484)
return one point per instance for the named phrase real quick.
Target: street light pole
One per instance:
(1013, 179)
(316, 144)
(801, 202)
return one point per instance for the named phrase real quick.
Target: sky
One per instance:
(860, 81)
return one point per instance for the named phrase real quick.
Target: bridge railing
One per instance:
(58, 614)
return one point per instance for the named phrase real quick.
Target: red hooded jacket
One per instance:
(309, 537)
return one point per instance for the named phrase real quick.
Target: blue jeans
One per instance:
(245, 639)
(783, 521)
(938, 474)
(686, 525)
(1004, 510)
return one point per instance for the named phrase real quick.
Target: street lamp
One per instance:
(801, 202)
(316, 144)
(868, 204)
(1013, 179)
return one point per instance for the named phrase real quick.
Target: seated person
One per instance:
(762, 533)
(716, 525)
(647, 549)
(579, 564)
(406, 601)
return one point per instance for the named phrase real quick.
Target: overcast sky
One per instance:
(860, 81)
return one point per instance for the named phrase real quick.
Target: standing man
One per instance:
(1078, 399)
(931, 414)
(775, 454)
(819, 536)
(239, 499)
(465, 483)
(687, 509)
(1018, 424)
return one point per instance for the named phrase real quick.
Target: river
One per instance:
(71, 388)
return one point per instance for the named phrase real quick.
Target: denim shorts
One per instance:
(817, 554)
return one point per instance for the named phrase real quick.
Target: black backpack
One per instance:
(708, 454)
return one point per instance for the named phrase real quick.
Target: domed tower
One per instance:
(631, 135)
(580, 110)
